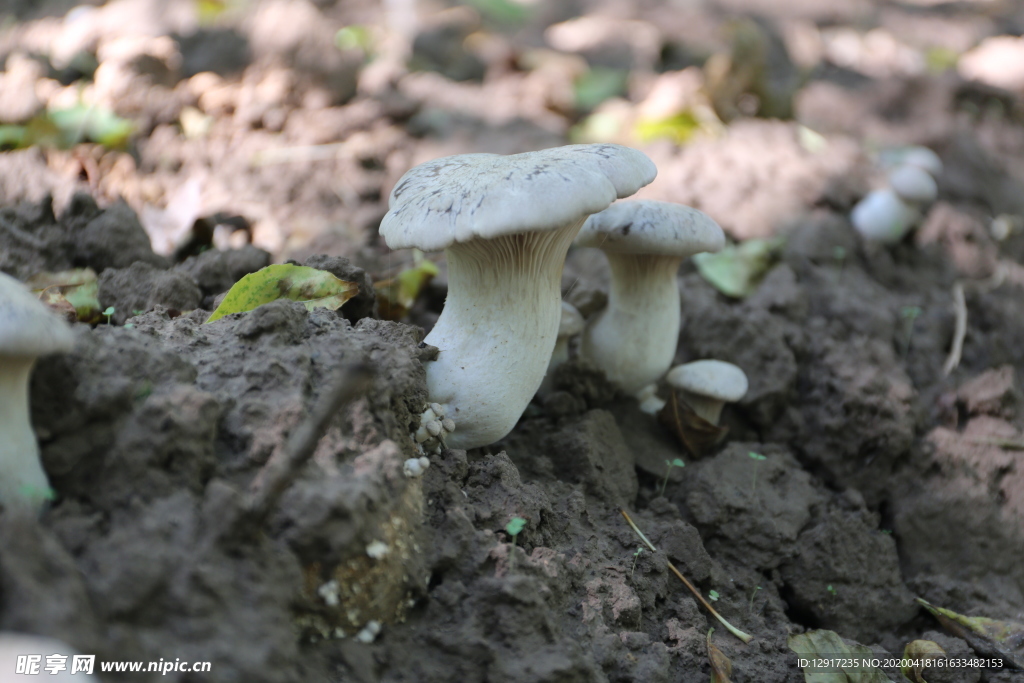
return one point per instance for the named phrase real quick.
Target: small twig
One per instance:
(732, 629)
(1006, 444)
(280, 472)
(960, 307)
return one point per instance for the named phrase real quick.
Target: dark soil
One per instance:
(882, 480)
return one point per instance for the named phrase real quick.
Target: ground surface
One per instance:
(883, 479)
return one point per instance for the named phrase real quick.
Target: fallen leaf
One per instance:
(396, 295)
(721, 667)
(697, 435)
(312, 287)
(987, 637)
(75, 289)
(597, 85)
(736, 270)
(826, 649)
(678, 128)
(918, 650)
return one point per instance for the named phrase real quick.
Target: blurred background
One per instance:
(285, 123)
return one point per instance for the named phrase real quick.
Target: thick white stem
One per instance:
(634, 339)
(497, 330)
(23, 483)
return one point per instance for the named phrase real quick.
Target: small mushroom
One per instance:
(881, 216)
(634, 339)
(923, 158)
(570, 325)
(707, 385)
(505, 223)
(28, 329)
(913, 184)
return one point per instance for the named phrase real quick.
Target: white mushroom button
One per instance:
(505, 223)
(883, 217)
(634, 339)
(923, 158)
(913, 184)
(28, 329)
(707, 385)
(570, 325)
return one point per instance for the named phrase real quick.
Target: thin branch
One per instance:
(746, 638)
(960, 307)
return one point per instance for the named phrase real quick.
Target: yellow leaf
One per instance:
(309, 286)
(986, 636)
(76, 288)
(396, 296)
(918, 650)
(721, 667)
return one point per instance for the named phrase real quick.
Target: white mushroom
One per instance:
(570, 325)
(707, 385)
(913, 184)
(505, 223)
(28, 329)
(649, 400)
(923, 158)
(881, 216)
(634, 339)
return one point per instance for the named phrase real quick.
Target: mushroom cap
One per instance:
(881, 216)
(27, 326)
(913, 183)
(711, 378)
(460, 198)
(571, 322)
(652, 227)
(923, 158)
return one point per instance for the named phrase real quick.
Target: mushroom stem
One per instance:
(642, 316)
(23, 483)
(708, 408)
(497, 330)
(559, 355)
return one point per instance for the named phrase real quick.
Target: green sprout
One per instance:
(514, 527)
(832, 590)
(839, 254)
(109, 312)
(636, 556)
(909, 314)
(756, 457)
(670, 464)
(753, 594)
(713, 595)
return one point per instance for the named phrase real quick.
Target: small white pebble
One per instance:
(369, 632)
(329, 593)
(413, 468)
(377, 549)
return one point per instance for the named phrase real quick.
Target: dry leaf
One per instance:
(697, 435)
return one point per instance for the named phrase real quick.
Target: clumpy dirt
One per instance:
(855, 474)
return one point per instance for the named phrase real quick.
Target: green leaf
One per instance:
(76, 288)
(354, 37)
(98, 124)
(736, 270)
(678, 128)
(515, 526)
(309, 286)
(828, 648)
(501, 11)
(756, 456)
(597, 85)
(397, 295)
(713, 595)
(986, 636)
(12, 137)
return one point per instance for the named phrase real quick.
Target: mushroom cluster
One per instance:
(505, 224)
(885, 215)
(28, 330)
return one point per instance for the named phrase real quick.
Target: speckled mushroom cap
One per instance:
(459, 198)
(571, 322)
(913, 183)
(651, 227)
(711, 378)
(27, 327)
